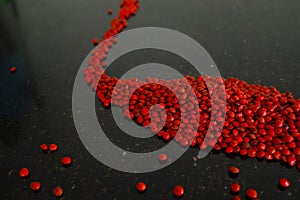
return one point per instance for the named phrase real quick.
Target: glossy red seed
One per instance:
(35, 186)
(141, 187)
(95, 41)
(178, 191)
(66, 161)
(58, 191)
(251, 193)
(24, 172)
(44, 147)
(284, 182)
(53, 147)
(13, 70)
(235, 187)
(234, 170)
(292, 161)
(109, 11)
(236, 198)
(162, 157)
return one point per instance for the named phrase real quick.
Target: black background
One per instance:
(256, 41)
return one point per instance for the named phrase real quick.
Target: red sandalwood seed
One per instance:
(35, 186)
(109, 11)
(284, 183)
(251, 193)
(13, 70)
(234, 170)
(236, 198)
(178, 191)
(141, 187)
(53, 147)
(24, 172)
(162, 157)
(235, 187)
(44, 147)
(66, 161)
(58, 191)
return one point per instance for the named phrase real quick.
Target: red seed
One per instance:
(109, 11)
(235, 187)
(58, 191)
(66, 161)
(24, 172)
(234, 170)
(44, 147)
(53, 147)
(35, 186)
(13, 70)
(284, 182)
(95, 41)
(178, 191)
(251, 193)
(162, 157)
(141, 187)
(236, 198)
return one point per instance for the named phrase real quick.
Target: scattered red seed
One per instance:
(24, 172)
(58, 191)
(141, 187)
(235, 187)
(35, 186)
(109, 11)
(284, 182)
(178, 191)
(236, 198)
(53, 147)
(13, 70)
(162, 157)
(95, 41)
(44, 147)
(251, 193)
(66, 161)
(234, 170)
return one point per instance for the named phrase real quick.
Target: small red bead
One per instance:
(162, 157)
(13, 70)
(236, 198)
(58, 191)
(109, 11)
(95, 41)
(53, 147)
(35, 186)
(251, 193)
(234, 170)
(284, 182)
(44, 147)
(141, 187)
(24, 172)
(235, 187)
(66, 161)
(178, 191)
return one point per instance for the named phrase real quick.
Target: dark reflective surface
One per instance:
(256, 41)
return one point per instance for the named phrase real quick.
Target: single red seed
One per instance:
(141, 187)
(162, 157)
(58, 191)
(234, 170)
(178, 191)
(13, 70)
(95, 41)
(284, 182)
(35, 186)
(251, 193)
(53, 147)
(66, 161)
(236, 198)
(44, 147)
(109, 11)
(24, 172)
(235, 187)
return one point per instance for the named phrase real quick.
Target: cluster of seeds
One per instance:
(36, 185)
